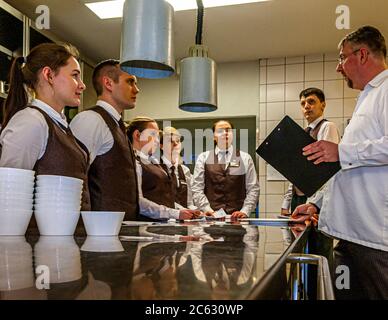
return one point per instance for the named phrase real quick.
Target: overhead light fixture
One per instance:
(114, 8)
(147, 47)
(198, 79)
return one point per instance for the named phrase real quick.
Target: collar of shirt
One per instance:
(145, 158)
(379, 79)
(313, 124)
(169, 164)
(374, 83)
(219, 151)
(109, 108)
(58, 117)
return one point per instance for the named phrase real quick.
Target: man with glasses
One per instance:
(225, 178)
(354, 209)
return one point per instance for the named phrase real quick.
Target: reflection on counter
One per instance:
(182, 261)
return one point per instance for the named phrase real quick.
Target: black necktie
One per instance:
(122, 126)
(308, 130)
(173, 178)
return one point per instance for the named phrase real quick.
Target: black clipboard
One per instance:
(282, 149)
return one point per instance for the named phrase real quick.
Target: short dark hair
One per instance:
(222, 120)
(315, 91)
(109, 68)
(369, 36)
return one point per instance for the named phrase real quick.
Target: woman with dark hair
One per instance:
(35, 134)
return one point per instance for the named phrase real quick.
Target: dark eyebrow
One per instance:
(76, 70)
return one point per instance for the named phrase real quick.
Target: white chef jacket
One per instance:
(355, 206)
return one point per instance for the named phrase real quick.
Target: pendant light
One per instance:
(198, 79)
(147, 49)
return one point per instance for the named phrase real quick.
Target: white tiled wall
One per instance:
(281, 81)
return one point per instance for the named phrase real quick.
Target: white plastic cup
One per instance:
(56, 223)
(102, 223)
(15, 222)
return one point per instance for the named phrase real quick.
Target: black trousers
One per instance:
(368, 271)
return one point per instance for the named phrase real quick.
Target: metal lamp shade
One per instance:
(147, 39)
(198, 85)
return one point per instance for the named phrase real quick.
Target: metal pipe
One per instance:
(324, 285)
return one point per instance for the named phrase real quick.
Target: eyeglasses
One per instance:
(343, 57)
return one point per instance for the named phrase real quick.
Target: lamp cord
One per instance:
(200, 14)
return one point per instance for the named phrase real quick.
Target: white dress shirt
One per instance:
(329, 132)
(24, 139)
(355, 206)
(91, 129)
(189, 183)
(147, 207)
(251, 182)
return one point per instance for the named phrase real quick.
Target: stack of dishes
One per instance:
(16, 200)
(57, 204)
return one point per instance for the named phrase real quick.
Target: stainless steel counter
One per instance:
(214, 260)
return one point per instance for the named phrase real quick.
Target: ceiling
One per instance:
(235, 33)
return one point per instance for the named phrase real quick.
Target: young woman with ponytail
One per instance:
(35, 134)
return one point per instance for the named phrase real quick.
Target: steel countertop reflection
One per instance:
(192, 260)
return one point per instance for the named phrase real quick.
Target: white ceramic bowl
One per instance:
(102, 244)
(102, 223)
(15, 203)
(14, 224)
(16, 196)
(56, 222)
(16, 172)
(12, 211)
(54, 208)
(50, 180)
(22, 187)
(58, 189)
(59, 195)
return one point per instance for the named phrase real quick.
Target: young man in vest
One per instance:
(225, 177)
(312, 102)
(112, 173)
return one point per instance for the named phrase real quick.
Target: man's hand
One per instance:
(321, 151)
(285, 212)
(238, 215)
(187, 214)
(304, 214)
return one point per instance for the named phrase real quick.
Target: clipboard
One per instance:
(282, 149)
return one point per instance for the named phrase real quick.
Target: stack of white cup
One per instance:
(57, 204)
(16, 200)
